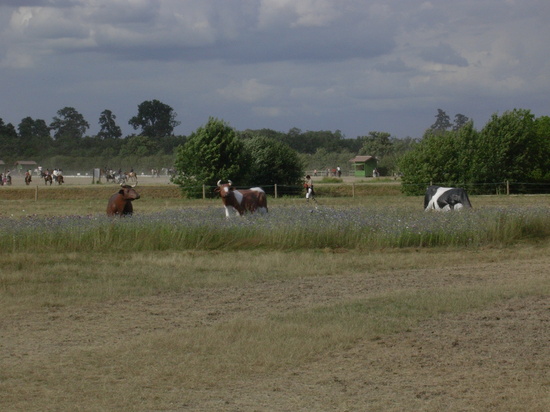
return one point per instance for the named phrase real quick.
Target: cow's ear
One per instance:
(121, 191)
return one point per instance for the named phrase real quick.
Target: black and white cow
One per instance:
(446, 198)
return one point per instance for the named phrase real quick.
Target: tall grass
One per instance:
(285, 228)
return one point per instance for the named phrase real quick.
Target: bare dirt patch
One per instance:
(497, 358)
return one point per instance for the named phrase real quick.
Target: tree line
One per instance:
(64, 142)
(514, 146)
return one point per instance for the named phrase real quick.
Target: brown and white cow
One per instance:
(241, 201)
(120, 203)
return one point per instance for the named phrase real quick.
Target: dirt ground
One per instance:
(496, 359)
(73, 180)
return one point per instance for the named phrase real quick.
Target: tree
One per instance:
(8, 140)
(156, 119)
(460, 120)
(376, 144)
(109, 128)
(68, 129)
(511, 149)
(34, 136)
(138, 146)
(273, 162)
(441, 157)
(211, 153)
(442, 121)
(70, 124)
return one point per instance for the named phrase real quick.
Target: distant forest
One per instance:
(514, 145)
(64, 143)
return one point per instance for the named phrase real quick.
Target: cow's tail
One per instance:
(262, 200)
(467, 200)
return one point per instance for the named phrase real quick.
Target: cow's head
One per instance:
(128, 192)
(225, 190)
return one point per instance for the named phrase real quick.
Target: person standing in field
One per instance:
(309, 189)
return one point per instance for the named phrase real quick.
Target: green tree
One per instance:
(156, 119)
(542, 129)
(70, 123)
(109, 128)
(212, 152)
(273, 162)
(389, 164)
(138, 146)
(35, 137)
(511, 149)
(441, 157)
(442, 121)
(9, 142)
(377, 144)
(69, 128)
(322, 160)
(460, 120)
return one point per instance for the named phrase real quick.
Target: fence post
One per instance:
(36, 193)
(275, 190)
(507, 187)
(203, 192)
(353, 189)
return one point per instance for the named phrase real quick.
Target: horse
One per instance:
(131, 176)
(110, 176)
(59, 179)
(48, 179)
(28, 178)
(120, 178)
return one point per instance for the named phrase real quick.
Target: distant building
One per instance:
(25, 165)
(363, 166)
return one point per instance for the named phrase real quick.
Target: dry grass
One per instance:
(388, 330)
(325, 330)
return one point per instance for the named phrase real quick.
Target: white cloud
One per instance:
(289, 63)
(296, 13)
(249, 91)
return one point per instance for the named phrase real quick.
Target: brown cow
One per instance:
(241, 201)
(120, 204)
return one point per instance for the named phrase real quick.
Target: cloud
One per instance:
(248, 91)
(231, 30)
(444, 54)
(351, 64)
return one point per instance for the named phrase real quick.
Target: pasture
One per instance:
(364, 303)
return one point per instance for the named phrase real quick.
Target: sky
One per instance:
(350, 65)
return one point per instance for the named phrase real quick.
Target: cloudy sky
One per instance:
(349, 65)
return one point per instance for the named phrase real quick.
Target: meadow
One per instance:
(364, 303)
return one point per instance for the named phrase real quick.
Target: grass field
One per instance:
(326, 309)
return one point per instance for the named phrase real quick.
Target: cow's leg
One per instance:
(228, 213)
